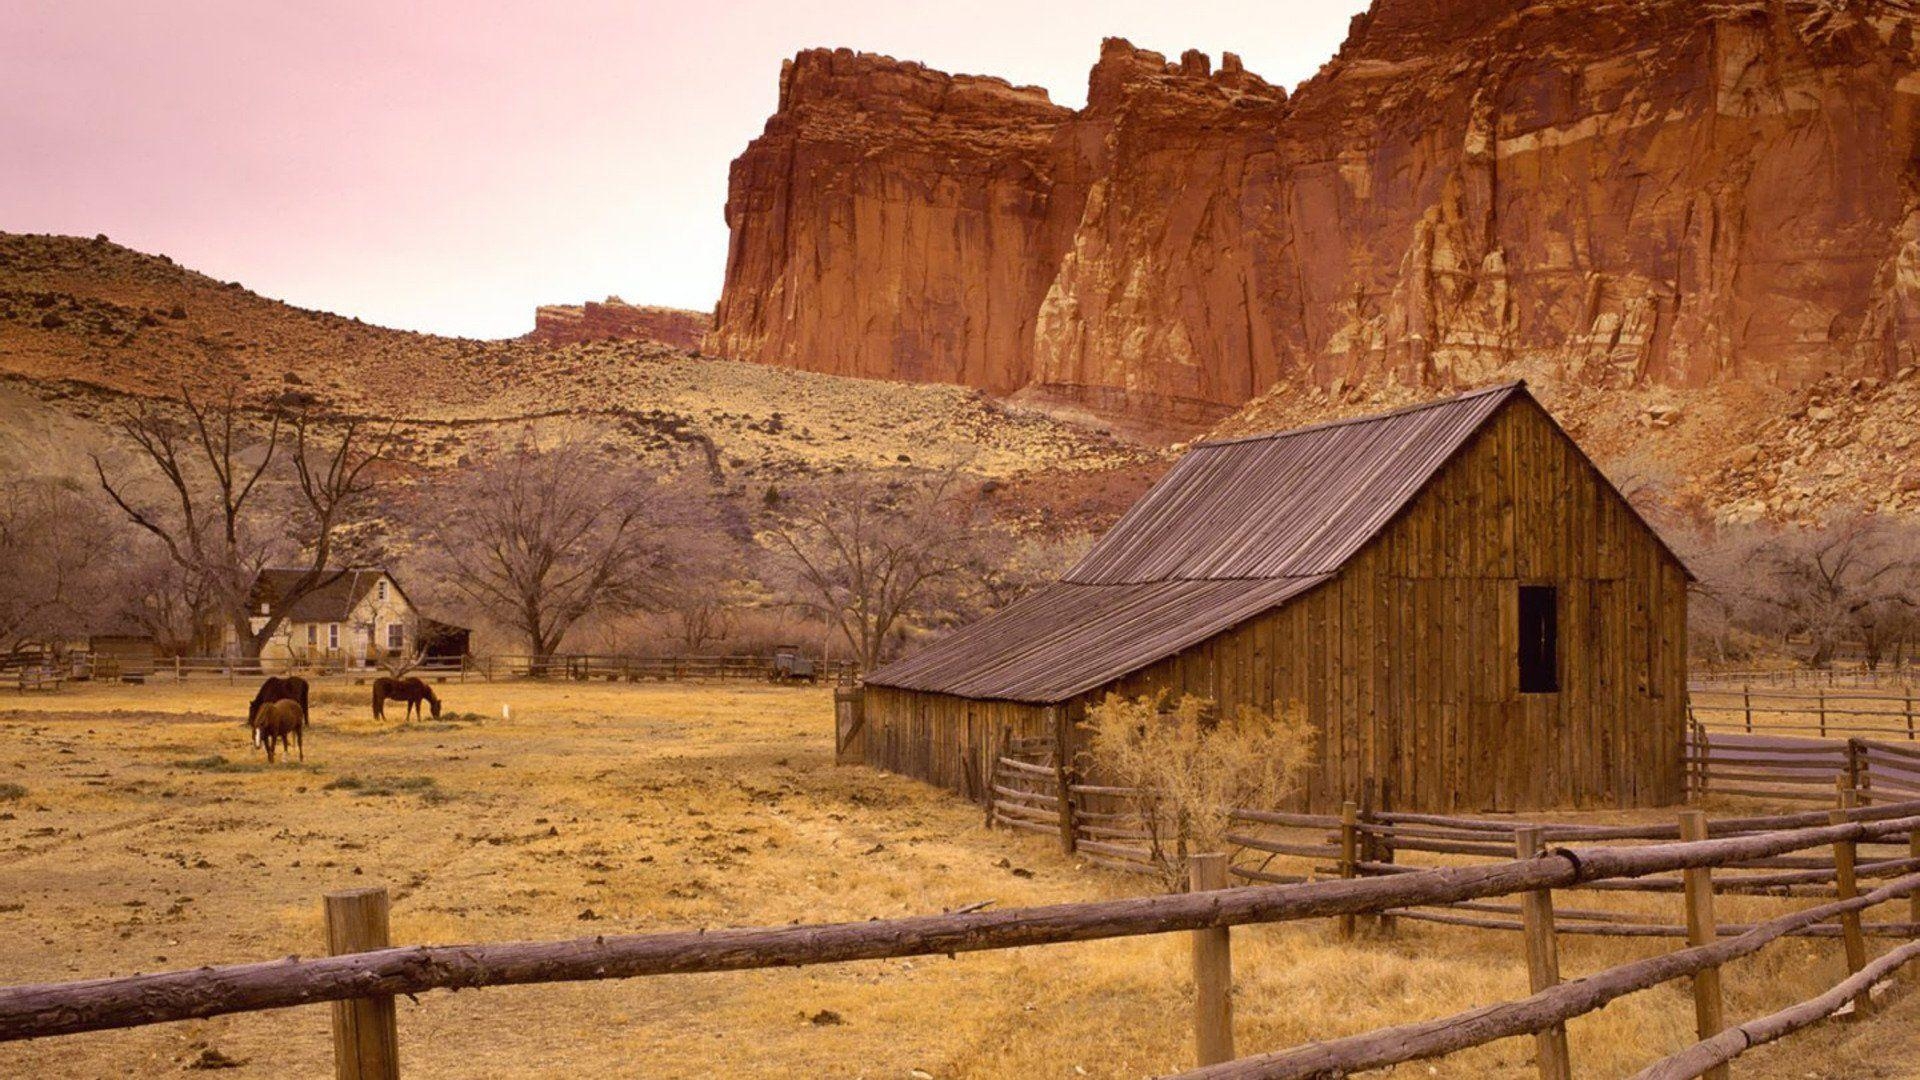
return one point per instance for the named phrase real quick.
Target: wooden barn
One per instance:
(1472, 616)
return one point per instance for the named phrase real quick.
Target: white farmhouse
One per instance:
(357, 617)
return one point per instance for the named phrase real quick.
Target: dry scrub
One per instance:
(147, 839)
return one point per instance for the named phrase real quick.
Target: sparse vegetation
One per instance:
(424, 786)
(1194, 766)
(9, 791)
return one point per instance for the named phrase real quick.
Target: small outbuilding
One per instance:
(1470, 614)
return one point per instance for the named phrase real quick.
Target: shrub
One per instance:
(424, 786)
(12, 791)
(220, 763)
(1193, 766)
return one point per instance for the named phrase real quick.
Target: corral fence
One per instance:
(576, 666)
(1892, 676)
(366, 973)
(1823, 712)
(1105, 826)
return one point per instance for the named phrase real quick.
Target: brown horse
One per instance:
(279, 722)
(280, 688)
(410, 690)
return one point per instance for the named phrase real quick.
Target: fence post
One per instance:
(1063, 773)
(1746, 699)
(1543, 960)
(1913, 898)
(1349, 815)
(993, 772)
(1823, 712)
(1845, 887)
(1702, 774)
(1212, 970)
(366, 1041)
(1909, 712)
(1709, 1003)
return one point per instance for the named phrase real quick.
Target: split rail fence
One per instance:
(365, 974)
(1821, 712)
(566, 666)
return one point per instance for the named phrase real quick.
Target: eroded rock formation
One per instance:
(616, 320)
(1608, 191)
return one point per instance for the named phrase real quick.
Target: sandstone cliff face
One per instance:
(617, 320)
(1657, 192)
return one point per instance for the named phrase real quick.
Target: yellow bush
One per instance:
(1192, 765)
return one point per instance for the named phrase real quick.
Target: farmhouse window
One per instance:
(313, 633)
(1539, 639)
(396, 636)
(382, 590)
(333, 635)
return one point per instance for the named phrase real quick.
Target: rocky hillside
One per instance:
(616, 320)
(87, 324)
(1593, 193)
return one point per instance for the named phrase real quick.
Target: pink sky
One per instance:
(448, 166)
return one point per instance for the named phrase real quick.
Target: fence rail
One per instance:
(1821, 712)
(576, 666)
(377, 975)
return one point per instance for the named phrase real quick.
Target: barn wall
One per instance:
(1407, 662)
(942, 739)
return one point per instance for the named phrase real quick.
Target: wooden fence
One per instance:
(1104, 826)
(363, 977)
(560, 666)
(1823, 713)
(1887, 675)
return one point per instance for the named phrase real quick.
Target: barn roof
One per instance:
(1236, 528)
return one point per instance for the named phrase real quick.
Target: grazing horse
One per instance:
(280, 688)
(412, 691)
(278, 722)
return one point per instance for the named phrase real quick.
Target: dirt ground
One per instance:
(139, 831)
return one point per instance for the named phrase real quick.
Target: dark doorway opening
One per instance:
(1539, 639)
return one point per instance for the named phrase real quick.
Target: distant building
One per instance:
(358, 616)
(1468, 612)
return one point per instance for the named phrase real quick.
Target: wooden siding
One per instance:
(942, 739)
(1407, 660)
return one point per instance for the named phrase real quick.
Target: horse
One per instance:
(280, 688)
(280, 721)
(410, 690)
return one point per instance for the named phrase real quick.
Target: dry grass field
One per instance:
(139, 831)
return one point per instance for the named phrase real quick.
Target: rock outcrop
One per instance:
(1607, 192)
(617, 320)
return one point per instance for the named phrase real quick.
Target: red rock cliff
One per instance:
(617, 320)
(1657, 191)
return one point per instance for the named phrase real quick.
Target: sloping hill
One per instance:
(85, 323)
(1745, 451)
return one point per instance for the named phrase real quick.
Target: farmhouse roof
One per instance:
(339, 593)
(1236, 528)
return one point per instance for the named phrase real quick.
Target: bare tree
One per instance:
(56, 553)
(1028, 563)
(875, 558)
(166, 602)
(1854, 578)
(705, 599)
(539, 539)
(216, 518)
